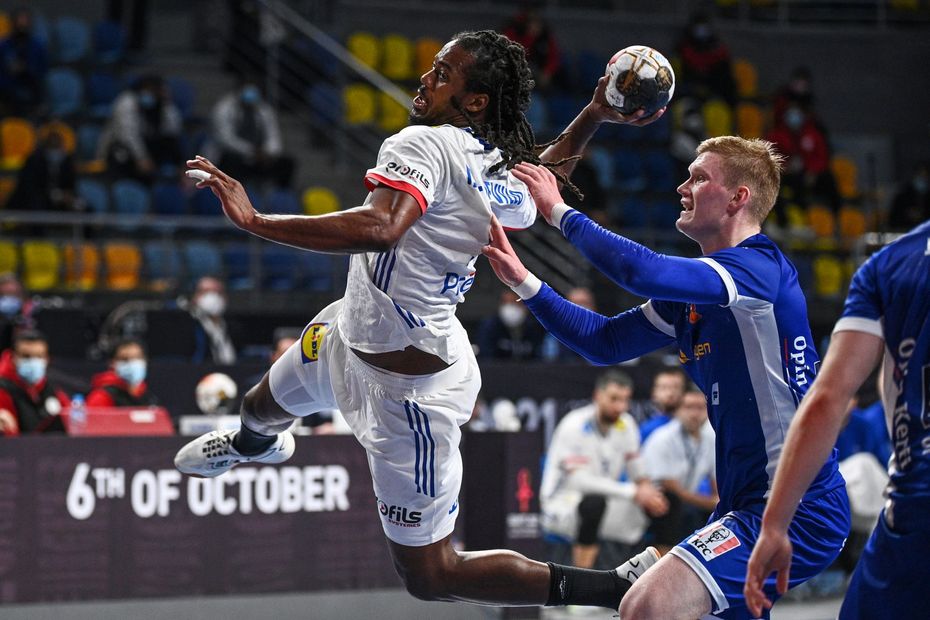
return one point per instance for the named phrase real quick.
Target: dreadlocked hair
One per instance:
(500, 70)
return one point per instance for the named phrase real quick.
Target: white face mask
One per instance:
(212, 303)
(511, 314)
(131, 371)
(31, 369)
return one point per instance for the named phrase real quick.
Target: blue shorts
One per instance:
(890, 580)
(719, 552)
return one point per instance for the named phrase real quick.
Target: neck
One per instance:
(728, 238)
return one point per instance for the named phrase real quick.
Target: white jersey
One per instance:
(670, 453)
(407, 295)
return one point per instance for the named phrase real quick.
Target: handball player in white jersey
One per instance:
(391, 354)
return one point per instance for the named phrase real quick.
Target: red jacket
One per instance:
(36, 396)
(108, 390)
(809, 144)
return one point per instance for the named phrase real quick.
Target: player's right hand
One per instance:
(772, 553)
(504, 261)
(604, 112)
(236, 204)
(543, 186)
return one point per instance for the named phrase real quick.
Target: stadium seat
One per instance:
(131, 198)
(397, 63)
(847, 176)
(162, 265)
(95, 194)
(538, 114)
(64, 90)
(168, 199)
(5, 25)
(102, 89)
(326, 102)
(828, 276)
(425, 51)
(109, 42)
(718, 118)
(41, 265)
(660, 171)
(750, 120)
(183, 95)
(664, 214)
(589, 67)
(72, 39)
(238, 263)
(123, 266)
(746, 77)
(360, 104)
(283, 201)
(203, 202)
(319, 201)
(279, 267)
(17, 141)
(41, 29)
(821, 220)
(82, 265)
(599, 158)
(366, 48)
(88, 136)
(629, 171)
(202, 258)
(562, 109)
(9, 257)
(317, 270)
(659, 131)
(68, 138)
(631, 211)
(392, 116)
(852, 222)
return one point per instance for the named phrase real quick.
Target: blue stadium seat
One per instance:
(109, 42)
(660, 171)
(283, 201)
(202, 258)
(162, 263)
(88, 136)
(131, 197)
(603, 164)
(659, 131)
(632, 212)
(629, 171)
(203, 202)
(102, 89)
(237, 261)
(41, 29)
(664, 214)
(279, 267)
(72, 39)
(183, 95)
(563, 109)
(95, 194)
(168, 199)
(326, 102)
(538, 115)
(318, 272)
(64, 90)
(589, 68)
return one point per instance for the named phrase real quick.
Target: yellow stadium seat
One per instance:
(425, 51)
(5, 25)
(852, 222)
(123, 265)
(366, 48)
(359, 103)
(68, 137)
(750, 121)
(397, 63)
(846, 174)
(41, 265)
(821, 220)
(795, 216)
(718, 118)
(905, 5)
(82, 264)
(392, 116)
(829, 276)
(9, 257)
(746, 77)
(17, 140)
(320, 201)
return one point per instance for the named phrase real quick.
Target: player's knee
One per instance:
(261, 413)
(637, 605)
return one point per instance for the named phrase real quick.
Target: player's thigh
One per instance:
(300, 380)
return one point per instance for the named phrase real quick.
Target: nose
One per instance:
(426, 77)
(681, 189)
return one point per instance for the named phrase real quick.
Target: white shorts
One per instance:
(409, 425)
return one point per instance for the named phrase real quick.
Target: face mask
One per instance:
(250, 95)
(31, 369)
(794, 118)
(920, 184)
(131, 371)
(10, 305)
(511, 315)
(212, 304)
(146, 100)
(701, 32)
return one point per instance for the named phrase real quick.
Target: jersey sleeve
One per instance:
(863, 309)
(512, 203)
(410, 161)
(747, 272)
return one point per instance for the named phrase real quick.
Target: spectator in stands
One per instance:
(47, 180)
(123, 384)
(797, 92)
(911, 203)
(208, 307)
(246, 138)
(680, 458)
(551, 349)
(29, 403)
(668, 388)
(512, 333)
(706, 71)
(23, 64)
(143, 133)
(529, 29)
(591, 449)
(16, 310)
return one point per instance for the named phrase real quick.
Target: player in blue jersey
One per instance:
(886, 318)
(739, 320)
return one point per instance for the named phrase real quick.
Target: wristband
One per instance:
(528, 287)
(558, 212)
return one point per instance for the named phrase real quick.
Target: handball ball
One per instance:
(639, 77)
(215, 394)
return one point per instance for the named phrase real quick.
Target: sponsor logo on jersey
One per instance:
(311, 341)
(798, 358)
(714, 540)
(498, 192)
(700, 350)
(400, 515)
(407, 171)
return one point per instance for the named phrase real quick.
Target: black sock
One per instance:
(249, 443)
(580, 586)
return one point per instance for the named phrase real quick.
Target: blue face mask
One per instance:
(794, 118)
(146, 100)
(250, 95)
(10, 305)
(31, 369)
(131, 371)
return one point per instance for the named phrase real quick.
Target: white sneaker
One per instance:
(633, 569)
(212, 454)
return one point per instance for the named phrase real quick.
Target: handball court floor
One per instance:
(375, 604)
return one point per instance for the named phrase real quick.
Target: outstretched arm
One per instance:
(374, 227)
(811, 436)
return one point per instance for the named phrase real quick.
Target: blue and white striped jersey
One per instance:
(890, 298)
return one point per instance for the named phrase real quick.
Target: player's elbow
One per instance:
(383, 236)
(426, 585)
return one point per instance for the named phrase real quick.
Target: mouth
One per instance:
(686, 206)
(419, 103)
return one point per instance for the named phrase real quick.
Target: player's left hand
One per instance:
(772, 553)
(504, 261)
(543, 186)
(604, 112)
(236, 204)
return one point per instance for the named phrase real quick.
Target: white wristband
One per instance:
(529, 287)
(558, 212)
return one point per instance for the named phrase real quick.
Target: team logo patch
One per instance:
(714, 540)
(311, 341)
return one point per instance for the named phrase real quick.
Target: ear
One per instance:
(739, 200)
(476, 103)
